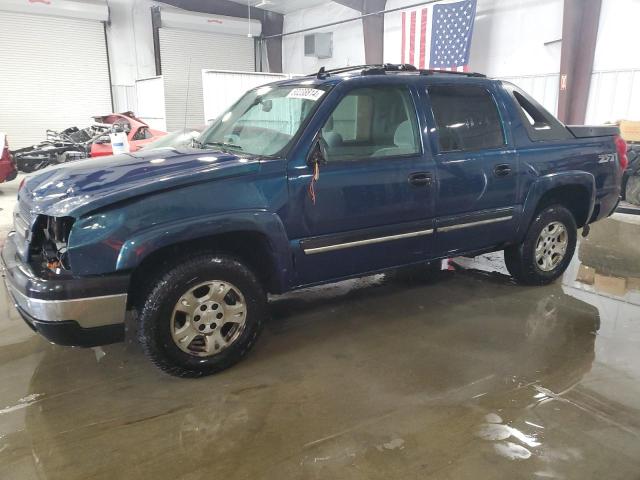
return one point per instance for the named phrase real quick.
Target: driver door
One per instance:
(374, 199)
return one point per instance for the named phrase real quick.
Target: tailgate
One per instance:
(585, 131)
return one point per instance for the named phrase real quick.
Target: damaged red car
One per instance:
(138, 133)
(74, 143)
(7, 166)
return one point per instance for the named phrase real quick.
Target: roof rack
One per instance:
(452, 72)
(382, 69)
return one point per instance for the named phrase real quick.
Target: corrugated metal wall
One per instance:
(184, 54)
(544, 88)
(614, 95)
(53, 74)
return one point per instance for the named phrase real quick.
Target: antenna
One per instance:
(186, 100)
(249, 17)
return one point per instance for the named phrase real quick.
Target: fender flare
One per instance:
(144, 243)
(553, 180)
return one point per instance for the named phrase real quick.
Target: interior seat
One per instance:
(403, 139)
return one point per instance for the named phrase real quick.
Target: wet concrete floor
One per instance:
(459, 376)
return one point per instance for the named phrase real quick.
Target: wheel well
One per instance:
(575, 198)
(251, 248)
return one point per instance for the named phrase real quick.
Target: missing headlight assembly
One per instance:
(49, 246)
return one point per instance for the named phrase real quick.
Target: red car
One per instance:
(138, 133)
(7, 166)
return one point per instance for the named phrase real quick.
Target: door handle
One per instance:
(502, 170)
(420, 179)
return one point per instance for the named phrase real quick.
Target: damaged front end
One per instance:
(48, 248)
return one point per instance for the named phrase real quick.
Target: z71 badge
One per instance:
(607, 157)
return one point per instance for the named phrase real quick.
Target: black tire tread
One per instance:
(148, 324)
(519, 259)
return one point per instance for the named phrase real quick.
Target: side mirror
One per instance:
(318, 153)
(267, 105)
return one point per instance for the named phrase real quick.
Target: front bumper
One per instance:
(86, 311)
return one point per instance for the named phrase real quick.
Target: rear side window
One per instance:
(538, 122)
(466, 117)
(372, 122)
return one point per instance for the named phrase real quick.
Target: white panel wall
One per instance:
(150, 102)
(614, 95)
(233, 84)
(615, 83)
(544, 88)
(348, 43)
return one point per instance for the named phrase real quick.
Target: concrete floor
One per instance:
(463, 376)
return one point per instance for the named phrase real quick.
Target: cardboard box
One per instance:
(586, 274)
(630, 130)
(633, 283)
(612, 285)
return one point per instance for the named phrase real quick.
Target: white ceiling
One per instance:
(283, 6)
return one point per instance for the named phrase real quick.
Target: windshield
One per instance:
(264, 121)
(181, 138)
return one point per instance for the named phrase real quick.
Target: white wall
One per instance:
(131, 52)
(150, 102)
(348, 43)
(510, 41)
(615, 83)
(234, 85)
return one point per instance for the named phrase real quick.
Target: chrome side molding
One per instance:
(368, 241)
(474, 224)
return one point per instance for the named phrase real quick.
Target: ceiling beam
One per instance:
(372, 27)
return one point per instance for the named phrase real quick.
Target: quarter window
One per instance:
(372, 122)
(466, 118)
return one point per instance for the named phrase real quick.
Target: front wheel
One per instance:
(203, 315)
(546, 250)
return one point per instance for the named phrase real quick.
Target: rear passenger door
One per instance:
(477, 168)
(374, 198)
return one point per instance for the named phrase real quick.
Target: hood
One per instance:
(78, 187)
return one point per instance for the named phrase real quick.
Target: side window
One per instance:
(466, 117)
(539, 123)
(372, 122)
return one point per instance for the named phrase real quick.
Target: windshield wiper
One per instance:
(223, 145)
(196, 143)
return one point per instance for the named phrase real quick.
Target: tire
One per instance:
(632, 190)
(161, 316)
(521, 259)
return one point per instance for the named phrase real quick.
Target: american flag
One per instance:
(439, 35)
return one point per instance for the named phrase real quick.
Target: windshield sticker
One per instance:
(312, 94)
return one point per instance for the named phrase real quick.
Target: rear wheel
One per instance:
(202, 316)
(546, 250)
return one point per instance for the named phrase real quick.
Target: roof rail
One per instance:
(452, 72)
(382, 69)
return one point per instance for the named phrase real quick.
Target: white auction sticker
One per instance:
(306, 93)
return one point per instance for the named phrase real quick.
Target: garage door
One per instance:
(184, 54)
(53, 74)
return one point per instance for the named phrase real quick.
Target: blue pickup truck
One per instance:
(302, 182)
